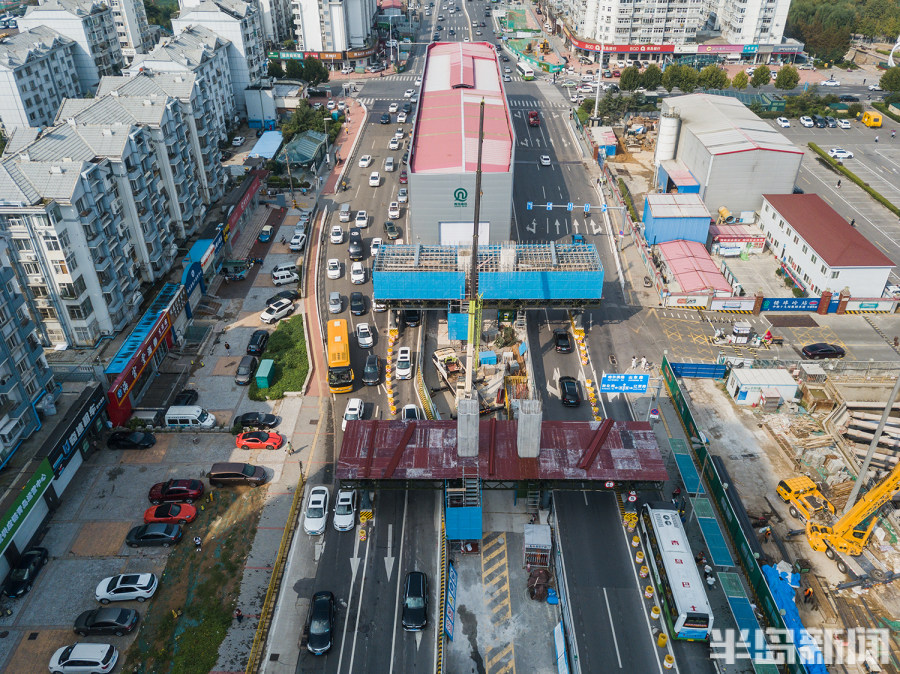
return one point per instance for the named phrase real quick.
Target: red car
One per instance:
(181, 491)
(403, 177)
(170, 513)
(259, 440)
(616, 73)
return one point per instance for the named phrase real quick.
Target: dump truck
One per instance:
(804, 498)
(449, 367)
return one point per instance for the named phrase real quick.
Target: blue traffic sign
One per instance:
(550, 206)
(624, 383)
(569, 206)
(587, 208)
(529, 205)
(603, 208)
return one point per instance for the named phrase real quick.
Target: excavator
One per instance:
(850, 533)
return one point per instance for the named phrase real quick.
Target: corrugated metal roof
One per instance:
(75, 7)
(692, 267)
(827, 232)
(725, 125)
(678, 172)
(30, 45)
(764, 377)
(458, 76)
(191, 47)
(178, 85)
(267, 145)
(677, 206)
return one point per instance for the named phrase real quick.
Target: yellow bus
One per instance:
(340, 374)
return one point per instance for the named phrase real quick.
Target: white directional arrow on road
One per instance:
(354, 560)
(389, 557)
(532, 227)
(556, 222)
(552, 390)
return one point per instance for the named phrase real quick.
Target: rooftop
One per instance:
(678, 172)
(76, 7)
(30, 45)
(507, 257)
(692, 267)
(190, 48)
(677, 206)
(832, 237)
(178, 85)
(725, 125)
(458, 77)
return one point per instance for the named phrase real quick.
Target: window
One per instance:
(48, 313)
(84, 335)
(824, 269)
(59, 266)
(39, 291)
(796, 239)
(81, 311)
(814, 259)
(835, 274)
(22, 244)
(31, 268)
(805, 248)
(64, 240)
(51, 243)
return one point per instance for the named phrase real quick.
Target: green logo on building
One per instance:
(460, 198)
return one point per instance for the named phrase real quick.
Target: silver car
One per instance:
(335, 305)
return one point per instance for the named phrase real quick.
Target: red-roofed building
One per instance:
(819, 248)
(458, 77)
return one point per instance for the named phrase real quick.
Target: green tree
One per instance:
(651, 77)
(787, 78)
(275, 69)
(294, 70)
(761, 75)
(289, 45)
(314, 72)
(688, 78)
(159, 12)
(630, 79)
(740, 81)
(671, 76)
(713, 77)
(825, 26)
(890, 81)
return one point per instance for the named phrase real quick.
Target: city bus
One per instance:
(340, 373)
(525, 70)
(679, 586)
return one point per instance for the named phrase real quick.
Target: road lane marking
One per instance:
(612, 628)
(362, 587)
(397, 596)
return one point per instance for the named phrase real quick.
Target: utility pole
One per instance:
(472, 285)
(599, 79)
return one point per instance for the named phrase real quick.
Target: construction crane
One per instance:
(474, 299)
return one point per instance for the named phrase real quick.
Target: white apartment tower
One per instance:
(37, 70)
(275, 17)
(239, 23)
(91, 25)
(757, 22)
(132, 27)
(332, 25)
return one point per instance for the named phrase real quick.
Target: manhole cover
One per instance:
(33, 636)
(273, 657)
(313, 422)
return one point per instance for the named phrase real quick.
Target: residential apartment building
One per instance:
(86, 208)
(202, 119)
(132, 27)
(199, 52)
(332, 26)
(756, 22)
(91, 25)
(275, 16)
(239, 23)
(37, 70)
(26, 382)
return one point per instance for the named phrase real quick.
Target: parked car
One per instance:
(404, 176)
(130, 440)
(127, 587)
(840, 153)
(843, 123)
(291, 295)
(22, 575)
(415, 602)
(256, 420)
(807, 121)
(265, 234)
(404, 363)
(229, 473)
(186, 396)
(403, 195)
(297, 242)
(116, 621)
(259, 440)
(245, 370)
(84, 657)
(333, 268)
(821, 350)
(156, 535)
(784, 122)
(316, 514)
(372, 370)
(394, 143)
(237, 141)
(568, 391)
(561, 341)
(170, 513)
(364, 336)
(276, 311)
(179, 491)
(321, 623)
(352, 412)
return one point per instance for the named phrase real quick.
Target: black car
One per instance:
(291, 295)
(385, 118)
(130, 440)
(257, 343)
(822, 350)
(407, 107)
(321, 623)
(354, 244)
(154, 534)
(848, 98)
(256, 420)
(187, 396)
(116, 621)
(412, 318)
(245, 370)
(372, 370)
(568, 391)
(562, 341)
(357, 303)
(21, 578)
(391, 231)
(405, 158)
(415, 602)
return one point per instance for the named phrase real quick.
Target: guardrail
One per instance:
(427, 403)
(265, 614)
(442, 593)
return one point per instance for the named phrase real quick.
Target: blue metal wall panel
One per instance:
(661, 230)
(438, 285)
(458, 326)
(662, 179)
(464, 524)
(558, 285)
(699, 370)
(689, 189)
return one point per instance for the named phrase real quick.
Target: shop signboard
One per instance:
(25, 501)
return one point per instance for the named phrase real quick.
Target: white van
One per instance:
(189, 416)
(285, 267)
(345, 213)
(389, 164)
(282, 277)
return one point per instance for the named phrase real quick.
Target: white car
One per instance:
(410, 92)
(399, 133)
(364, 336)
(276, 310)
(84, 657)
(393, 107)
(394, 210)
(830, 83)
(362, 219)
(410, 413)
(404, 363)
(843, 123)
(238, 141)
(331, 105)
(807, 122)
(341, 105)
(333, 269)
(365, 161)
(352, 412)
(403, 195)
(127, 587)
(874, 87)
(316, 514)
(784, 122)
(418, 84)
(507, 78)
(357, 273)
(840, 153)
(507, 70)
(374, 179)
(545, 160)
(394, 144)
(298, 241)
(401, 118)
(376, 246)
(337, 234)
(345, 510)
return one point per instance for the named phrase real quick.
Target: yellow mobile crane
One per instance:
(849, 534)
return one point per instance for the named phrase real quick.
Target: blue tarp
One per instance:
(785, 598)
(267, 145)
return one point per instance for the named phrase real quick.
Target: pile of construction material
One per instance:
(857, 422)
(803, 439)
